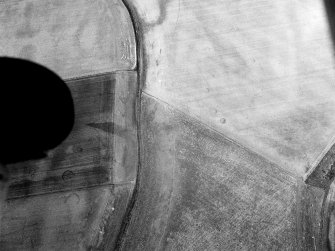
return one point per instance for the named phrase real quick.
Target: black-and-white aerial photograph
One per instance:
(167, 125)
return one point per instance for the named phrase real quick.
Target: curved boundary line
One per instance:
(141, 73)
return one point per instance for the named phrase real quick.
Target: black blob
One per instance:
(36, 110)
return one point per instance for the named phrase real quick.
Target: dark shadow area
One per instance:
(36, 109)
(330, 9)
(327, 240)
